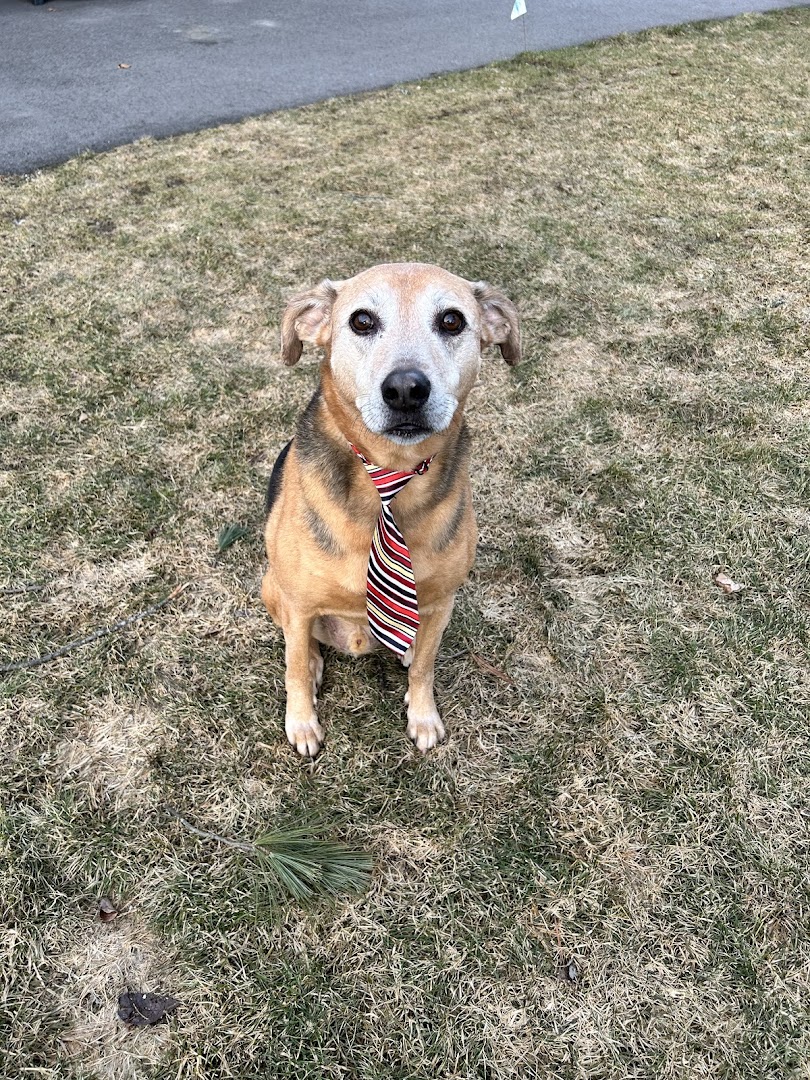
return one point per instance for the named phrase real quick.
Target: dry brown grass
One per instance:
(636, 797)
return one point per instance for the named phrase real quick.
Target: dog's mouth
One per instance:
(408, 431)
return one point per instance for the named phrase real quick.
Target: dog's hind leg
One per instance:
(315, 668)
(304, 669)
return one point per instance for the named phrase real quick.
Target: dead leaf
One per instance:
(729, 587)
(490, 669)
(143, 1010)
(107, 910)
(569, 970)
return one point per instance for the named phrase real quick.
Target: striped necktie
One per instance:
(393, 614)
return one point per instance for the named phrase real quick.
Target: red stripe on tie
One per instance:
(408, 614)
(394, 548)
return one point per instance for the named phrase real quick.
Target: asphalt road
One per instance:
(194, 63)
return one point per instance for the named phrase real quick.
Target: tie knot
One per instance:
(389, 482)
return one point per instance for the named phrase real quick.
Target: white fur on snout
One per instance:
(379, 418)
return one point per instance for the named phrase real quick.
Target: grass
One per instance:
(635, 799)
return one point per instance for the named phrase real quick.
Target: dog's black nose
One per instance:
(405, 389)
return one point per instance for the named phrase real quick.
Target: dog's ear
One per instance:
(307, 317)
(499, 321)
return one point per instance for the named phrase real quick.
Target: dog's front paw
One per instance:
(306, 735)
(426, 730)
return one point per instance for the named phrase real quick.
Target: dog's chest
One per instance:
(343, 583)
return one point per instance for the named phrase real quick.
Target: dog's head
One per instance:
(403, 342)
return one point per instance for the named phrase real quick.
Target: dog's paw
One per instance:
(407, 657)
(426, 731)
(305, 735)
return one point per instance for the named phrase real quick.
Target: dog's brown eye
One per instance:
(363, 322)
(452, 322)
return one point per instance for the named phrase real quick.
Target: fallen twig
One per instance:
(105, 631)
(490, 669)
(26, 587)
(240, 845)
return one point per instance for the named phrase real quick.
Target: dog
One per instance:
(402, 344)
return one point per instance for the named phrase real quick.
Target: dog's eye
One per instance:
(451, 322)
(363, 322)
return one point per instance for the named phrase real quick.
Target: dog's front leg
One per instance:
(424, 724)
(301, 681)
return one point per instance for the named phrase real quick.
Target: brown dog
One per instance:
(403, 349)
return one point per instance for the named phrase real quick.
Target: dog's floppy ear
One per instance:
(499, 321)
(307, 317)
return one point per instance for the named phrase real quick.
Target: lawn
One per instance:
(604, 872)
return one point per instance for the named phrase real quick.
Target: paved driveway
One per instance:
(194, 63)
